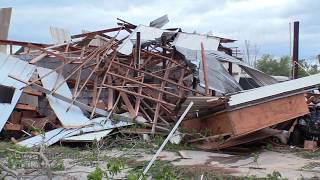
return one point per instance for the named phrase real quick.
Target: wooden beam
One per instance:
(161, 78)
(32, 92)
(205, 69)
(156, 114)
(110, 95)
(128, 104)
(38, 58)
(140, 95)
(143, 84)
(27, 107)
(93, 33)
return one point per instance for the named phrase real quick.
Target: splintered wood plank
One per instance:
(12, 127)
(38, 58)
(205, 69)
(110, 95)
(138, 99)
(128, 104)
(26, 107)
(94, 92)
(158, 106)
(32, 92)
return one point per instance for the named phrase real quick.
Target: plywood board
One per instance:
(266, 114)
(217, 124)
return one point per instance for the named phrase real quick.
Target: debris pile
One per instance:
(83, 86)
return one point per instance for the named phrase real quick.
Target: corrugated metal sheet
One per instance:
(160, 22)
(219, 79)
(88, 137)
(147, 34)
(283, 88)
(193, 41)
(18, 68)
(72, 118)
(259, 77)
(56, 135)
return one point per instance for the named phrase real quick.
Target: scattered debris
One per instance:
(138, 79)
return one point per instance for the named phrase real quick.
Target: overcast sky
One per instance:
(262, 22)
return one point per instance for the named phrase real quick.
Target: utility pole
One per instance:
(295, 50)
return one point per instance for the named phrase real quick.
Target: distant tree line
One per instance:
(282, 67)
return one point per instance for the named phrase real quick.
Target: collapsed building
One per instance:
(83, 86)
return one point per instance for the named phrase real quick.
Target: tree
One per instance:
(269, 65)
(282, 67)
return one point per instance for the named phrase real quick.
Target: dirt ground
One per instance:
(290, 163)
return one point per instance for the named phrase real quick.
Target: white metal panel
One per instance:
(274, 89)
(12, 66)
(56, 135)
(160, 22)
(193, 41)
(88, 137)
(74, 117)
(147, 34)
(60, 35)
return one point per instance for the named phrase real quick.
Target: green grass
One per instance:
(309, 154)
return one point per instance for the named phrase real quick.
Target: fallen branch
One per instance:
(9, 171)
(41, 155)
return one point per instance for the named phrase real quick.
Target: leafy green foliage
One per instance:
(14, 161)
(309, 154)
(269, 65)
(114, 166)
(282, 67)
(97, 174)
(58, 165)
(160, 170)
(269, 147)
(275, 176)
